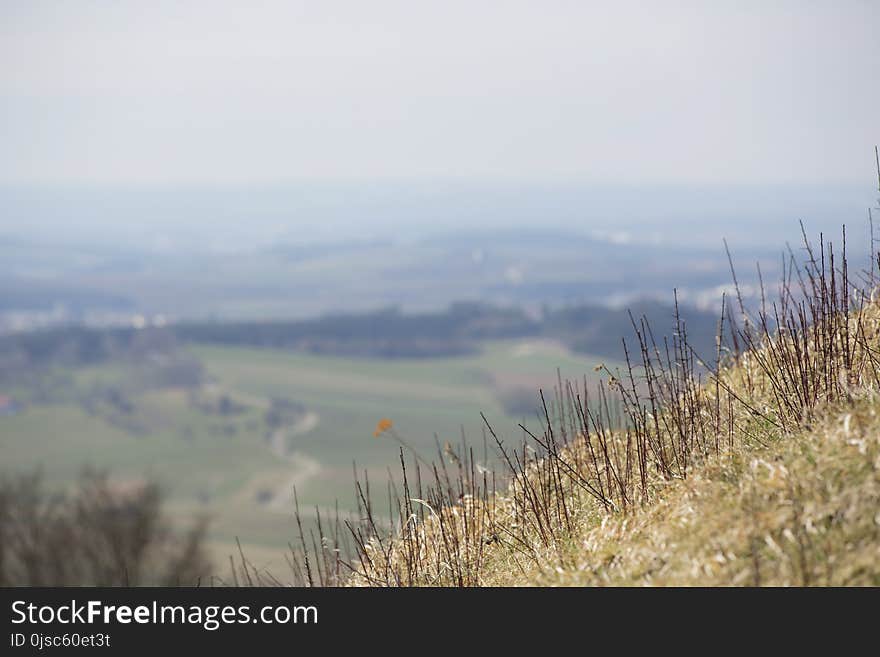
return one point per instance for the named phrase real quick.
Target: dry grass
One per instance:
(755, 465)
(801, 511)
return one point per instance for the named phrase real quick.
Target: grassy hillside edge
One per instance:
(802, 510)
(760, 467)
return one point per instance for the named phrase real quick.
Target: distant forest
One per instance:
(387, 333)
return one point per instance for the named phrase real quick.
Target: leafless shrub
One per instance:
(98, 535)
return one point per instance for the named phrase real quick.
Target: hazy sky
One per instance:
(241, 92)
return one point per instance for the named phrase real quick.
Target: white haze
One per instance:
(234, 93)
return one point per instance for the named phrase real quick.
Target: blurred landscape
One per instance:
(235, 363)
(105, 255)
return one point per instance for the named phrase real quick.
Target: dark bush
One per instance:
(96, 535)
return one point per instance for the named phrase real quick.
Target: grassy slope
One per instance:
(791, 498)
(802, 510)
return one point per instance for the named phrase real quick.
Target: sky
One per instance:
(235, 93)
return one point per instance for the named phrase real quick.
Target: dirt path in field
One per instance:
(304, 467)
(278, 440)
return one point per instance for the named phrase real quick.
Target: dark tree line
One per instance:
(387, 333)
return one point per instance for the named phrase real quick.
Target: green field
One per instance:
(237, 468)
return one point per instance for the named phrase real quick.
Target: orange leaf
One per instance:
(382, 426)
